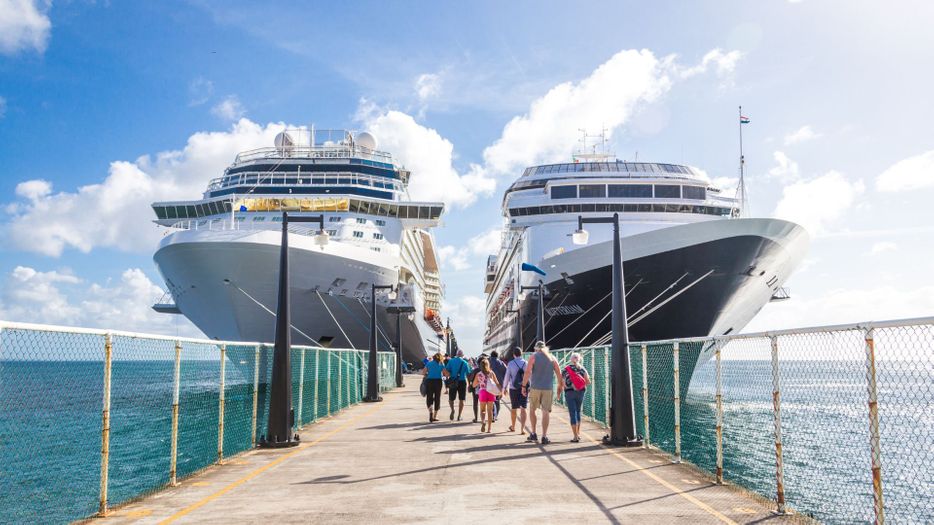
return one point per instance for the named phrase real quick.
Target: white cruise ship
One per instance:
(692, 266)
(220, 258)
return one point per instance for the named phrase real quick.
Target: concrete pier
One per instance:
(384, 463)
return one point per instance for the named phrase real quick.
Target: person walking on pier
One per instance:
(541, 373)
(456, 371)
(473, 390)
(488, 387)
(499, 370)
(433, 372)
(513, 381)
(576, 380)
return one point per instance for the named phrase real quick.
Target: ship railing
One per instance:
(831, 421)
(313, 152)
(123, 414)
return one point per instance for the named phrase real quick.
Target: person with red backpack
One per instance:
(576, 380)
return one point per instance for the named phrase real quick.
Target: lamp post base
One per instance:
(372, 399)
(263, 443)
(622, 442)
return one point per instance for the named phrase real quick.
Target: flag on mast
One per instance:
(743, 120)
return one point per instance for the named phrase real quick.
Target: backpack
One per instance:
(576, 379)
(517, 382)
(470, 378)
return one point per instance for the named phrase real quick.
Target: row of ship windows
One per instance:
(636, 191)
(636, 167)
(625, 208)
(194, 211)
(343, 179)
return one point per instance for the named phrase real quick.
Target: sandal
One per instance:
(511, 429)
(483, 427)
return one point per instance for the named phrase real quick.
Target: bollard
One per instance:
(317, 382)
(255, 393)
(677, 386)
(176, 386)
(301, 390)
(645, 395)
(719, 415)
(220, 409)
(874, 445)
(777, 410)
(105, 425)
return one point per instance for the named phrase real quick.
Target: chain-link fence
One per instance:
(91, 419)
(833, 422)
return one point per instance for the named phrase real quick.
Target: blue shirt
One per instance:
(434, 369)
(458, 367)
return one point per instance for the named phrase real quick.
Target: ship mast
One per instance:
(741, 187)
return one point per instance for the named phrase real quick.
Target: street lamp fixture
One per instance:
(372, 374)
(409, 312)
(279, 425)
(623, 414)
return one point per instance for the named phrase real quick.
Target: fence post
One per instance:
(328, 384)
(317, 382)
(719, 414)
(105, 425)
(874, 445)
(776, 408)
(645, 395)
(176, 386)
(606, 387)
(593, 391)
(340, 381)
(301, 390)
(255, 393)
(220, 408)
(677, 387)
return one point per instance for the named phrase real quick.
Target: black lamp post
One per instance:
(623, 414)
(540, 315)
(372, 374)
(279, 424)
(399, 311)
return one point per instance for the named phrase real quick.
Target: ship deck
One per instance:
(384, 463)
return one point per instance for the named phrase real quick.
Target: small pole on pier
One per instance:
(255, 395)
(399, 383)
(645, 395)
(176, 387)
(719, 414)
(105, 425)
(327, 382)
(675, 353)
(874, 444)
(220, 408)
(777, 410)
(301, 390)
(372, 372)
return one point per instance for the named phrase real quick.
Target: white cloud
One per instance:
(59, 297)
(24, 25)
(428, 155)
(468, 318)
(116, 211)
(453, 258)
(200, 90)
(427, 86)
(882, 247)
(724, 63)
(818, 202)
(912, 173)
(478, 247)
(785, 168)
(229, 109)
(2, 107)
(802, 134)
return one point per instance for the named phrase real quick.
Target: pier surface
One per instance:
(384, 463)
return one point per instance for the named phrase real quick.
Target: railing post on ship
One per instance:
(874, 444)
(677, 388)
(301, 390)
(317, 381)
(645, 396)
(719, 414)
(777, 410)
(220, 408)
(255, 394)
(176, 387)
(105, 425)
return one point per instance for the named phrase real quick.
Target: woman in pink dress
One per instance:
(488, 386)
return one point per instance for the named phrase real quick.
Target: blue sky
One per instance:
(105, 107)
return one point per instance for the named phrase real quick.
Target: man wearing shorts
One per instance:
(513, 381)
(541, 372)
(456, 371)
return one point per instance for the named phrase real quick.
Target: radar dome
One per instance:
(284, 140)
(366, 140)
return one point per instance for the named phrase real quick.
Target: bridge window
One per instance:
(631, 191)
(666, 191)
(259, 218)
(358, 234)
(594, 191)
(564, 192)
(334, 218)
(380, 222)
(361, 220)
(378, 236)
(694, 192)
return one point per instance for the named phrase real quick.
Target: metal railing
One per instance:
(313, 152)
(836, 422)
(90, 419)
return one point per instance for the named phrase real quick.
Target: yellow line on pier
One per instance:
(260, 470)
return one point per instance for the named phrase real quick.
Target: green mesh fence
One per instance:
(832, 443)
(164, 397)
